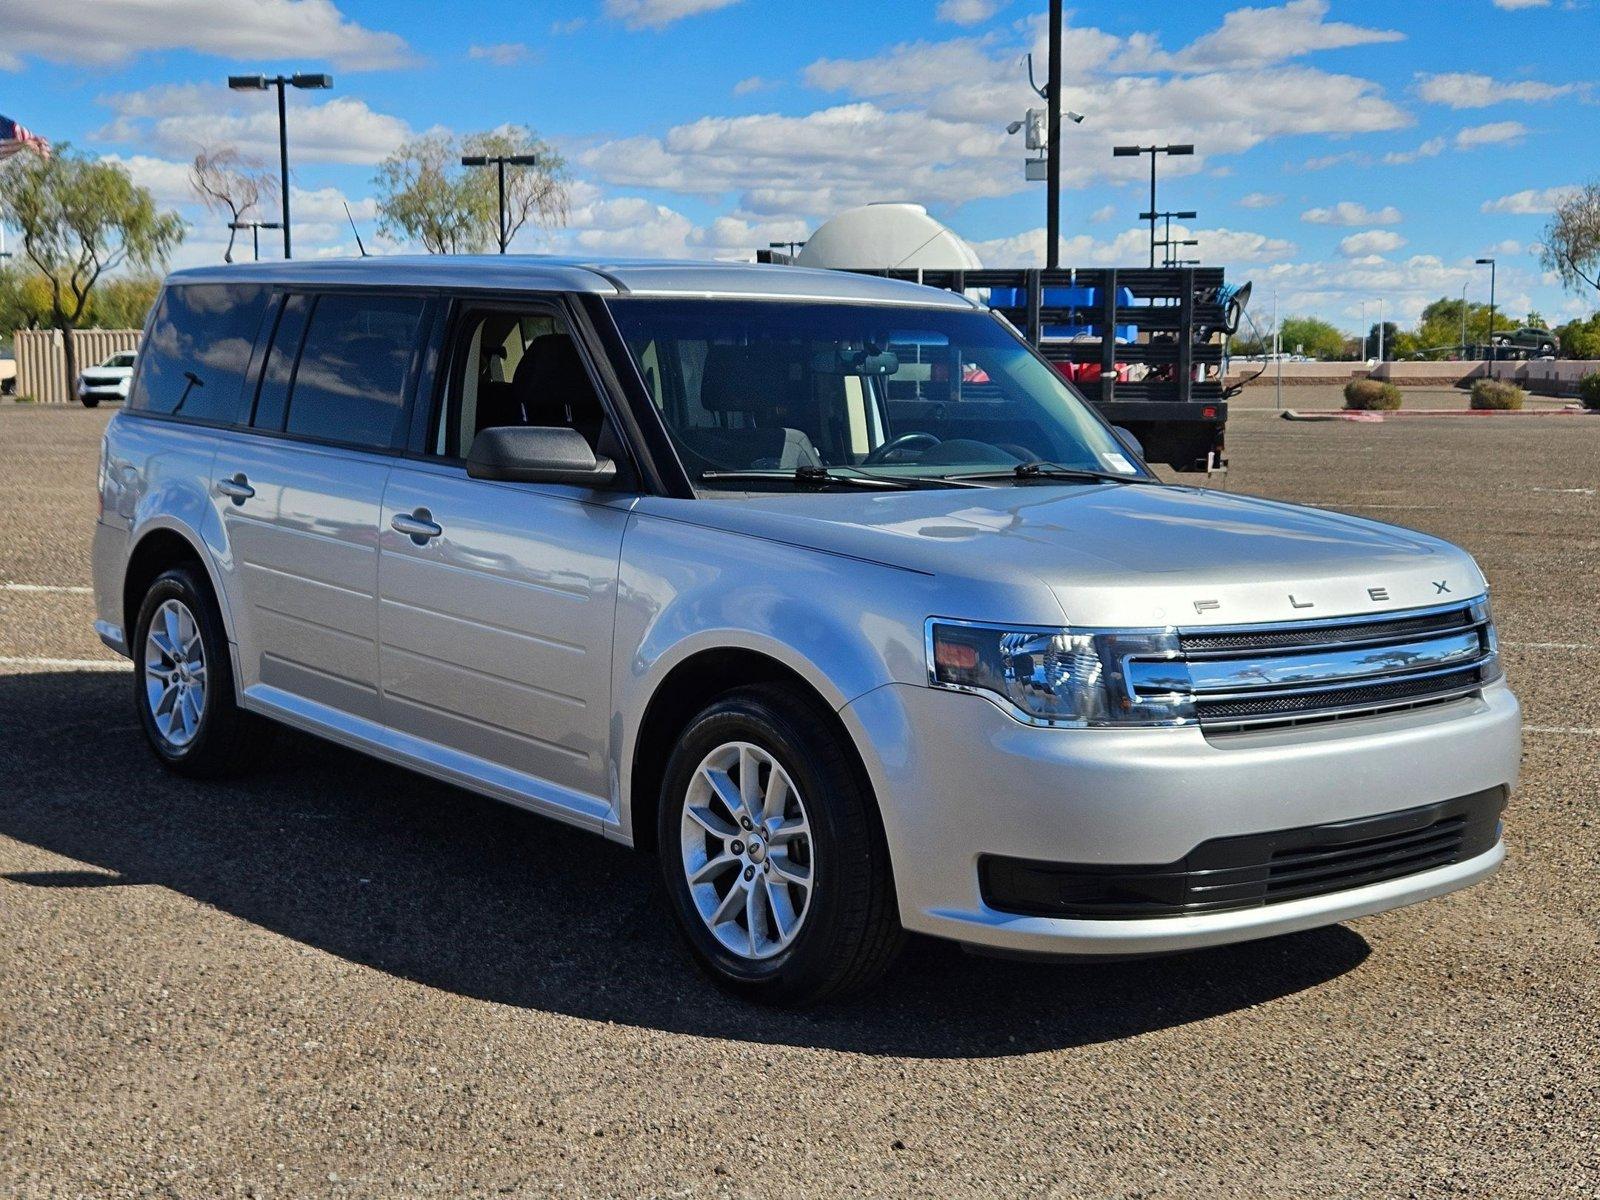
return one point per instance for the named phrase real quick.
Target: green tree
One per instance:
(124, 302)
(426, 196)
(1313, 337)
(1439, 328)
(1581, 338)
(1571, 242)
(80, 218)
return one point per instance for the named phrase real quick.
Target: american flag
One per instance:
(14, 137)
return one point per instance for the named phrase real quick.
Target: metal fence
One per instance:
(42, 359)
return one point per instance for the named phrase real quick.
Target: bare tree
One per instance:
(229, 183)
(1572, 240)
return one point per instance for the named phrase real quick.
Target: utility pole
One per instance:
(1277, 342)
(1052, 221)
(1380, 330)
(1489, 262)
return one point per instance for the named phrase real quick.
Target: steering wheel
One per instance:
(906, 441)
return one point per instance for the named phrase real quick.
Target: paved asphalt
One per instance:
(335, 978)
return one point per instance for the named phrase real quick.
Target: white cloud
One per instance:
(1431, 148)
(1464, 89)
(967, 12)
(631, 225)
(1260, 200)
(658, 14)
(1349, 212)
(1532, 201)
(1513, 5)
(1226, 247)
(1373, 241)
(1493, 134)
(176, 120)
(753, 83)
(167, 181)
(1251, 37)
(113, 31)
(500, 54)
(1104, 213)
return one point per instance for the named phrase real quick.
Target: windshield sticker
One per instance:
(1117, 463)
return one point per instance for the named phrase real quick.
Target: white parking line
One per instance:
(1561, 729)
(1550, 645)
(8, 586)
(68, 664)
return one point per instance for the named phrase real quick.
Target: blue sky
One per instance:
(1346, 150)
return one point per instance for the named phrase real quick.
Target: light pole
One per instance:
(1167, 254)
(1152, 151)
(260, 83)
(794, 248)
(255, 228)
(500, 162)
(1380, 331)
(1490, 263)
(1463, 321)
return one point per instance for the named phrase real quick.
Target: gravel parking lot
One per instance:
(335, 978)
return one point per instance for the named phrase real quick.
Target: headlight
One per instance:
(1055, 676)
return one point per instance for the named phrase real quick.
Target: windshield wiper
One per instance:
(821, 477)
(812, 478)
(1023, 472)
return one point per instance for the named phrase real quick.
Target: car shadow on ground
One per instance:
(429, 883)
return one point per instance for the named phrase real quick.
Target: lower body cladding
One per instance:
(1032, 840)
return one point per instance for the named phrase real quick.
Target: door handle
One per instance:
(419, 526)
(237, 489)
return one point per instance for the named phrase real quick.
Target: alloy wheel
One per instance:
(747, 850)
(175, 673)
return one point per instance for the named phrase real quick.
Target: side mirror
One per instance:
(537, 454)
(1125, 436)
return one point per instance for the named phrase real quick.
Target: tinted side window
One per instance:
(279, 370)
(355, 364)
(197, 352)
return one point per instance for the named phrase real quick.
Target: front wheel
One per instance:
(772, 855)
(90, 401)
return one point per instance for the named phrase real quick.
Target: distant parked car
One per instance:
(1527, 342)
(108, 381)
(8, 376)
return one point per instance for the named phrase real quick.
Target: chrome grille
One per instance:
(1286, 673)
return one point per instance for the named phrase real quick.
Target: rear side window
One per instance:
(355, 365)
(197, 352)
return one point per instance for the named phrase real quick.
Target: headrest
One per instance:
(551, 372)
(745, 379)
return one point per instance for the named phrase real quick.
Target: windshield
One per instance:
(906, 393)
(119, 360)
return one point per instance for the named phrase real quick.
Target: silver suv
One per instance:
(824, 588)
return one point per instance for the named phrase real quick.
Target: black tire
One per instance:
(226, 740)
(90, 401)
(851, 932)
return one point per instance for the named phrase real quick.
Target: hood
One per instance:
(1124, 554)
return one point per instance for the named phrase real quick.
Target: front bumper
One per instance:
(958, 781)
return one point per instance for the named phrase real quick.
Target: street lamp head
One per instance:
(1014, 127)
(311, 81)
(1178, 149)
(474, 160)
(1126, 151)
(1485, 262)
(1187, 215)
(1075, 117)
(247, 83)
(522, 160)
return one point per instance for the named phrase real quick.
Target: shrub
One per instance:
(1371, 394)
(1498, 394)
(1589, 391)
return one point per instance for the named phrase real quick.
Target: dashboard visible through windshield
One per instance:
(799, 390)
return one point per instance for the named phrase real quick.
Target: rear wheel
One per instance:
(771, 853)
(183, 681)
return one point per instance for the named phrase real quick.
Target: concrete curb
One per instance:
(1345, 414)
